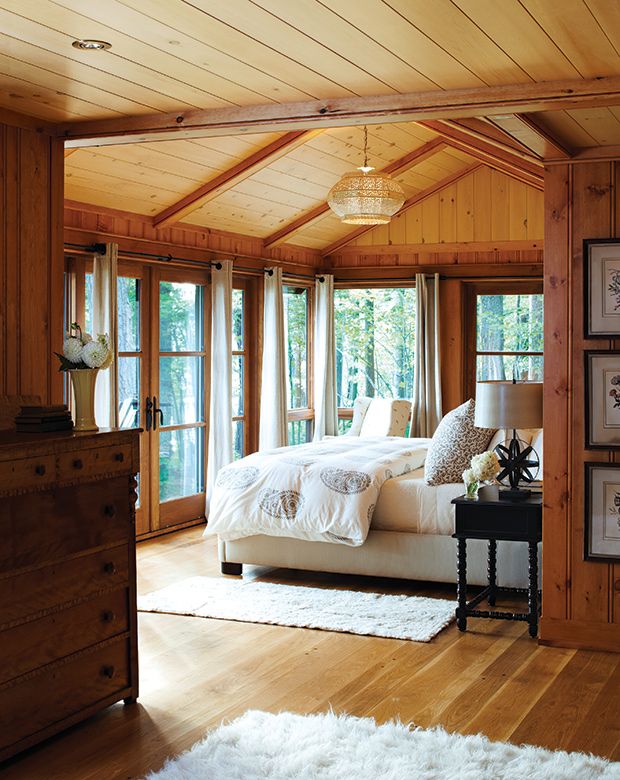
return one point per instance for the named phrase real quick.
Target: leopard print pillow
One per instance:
(455, 442)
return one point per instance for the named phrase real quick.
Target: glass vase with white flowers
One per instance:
(83, 357)
(483, 468)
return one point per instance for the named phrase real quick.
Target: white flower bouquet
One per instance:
(483, 468)
(81, 351)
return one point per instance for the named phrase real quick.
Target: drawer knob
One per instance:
(108, 616)
(77, 464)
(39, 470)
(109, 510)
(109, 567)
(120, 457)
(107, 671)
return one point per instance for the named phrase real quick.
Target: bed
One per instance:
(408, 535)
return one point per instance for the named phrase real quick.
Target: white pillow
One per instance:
(453, 445)
(386, 417)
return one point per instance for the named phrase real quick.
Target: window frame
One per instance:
(346, 412)
(470, 351)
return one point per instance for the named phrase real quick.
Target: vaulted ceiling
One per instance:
(241, 114)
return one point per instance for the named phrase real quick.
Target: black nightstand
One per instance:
(494, 519)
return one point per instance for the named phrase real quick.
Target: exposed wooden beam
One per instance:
(69, 152)
(590, 154)
(527, 169)
(414, 106)
(420, 196)
(530, 134)
(233, 176)
(394, 168)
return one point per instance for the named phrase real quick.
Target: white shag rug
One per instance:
(373, 614)
(262, 746)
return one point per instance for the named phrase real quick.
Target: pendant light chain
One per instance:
(365, 146)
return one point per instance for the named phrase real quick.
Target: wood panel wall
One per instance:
(581, 599)
(31, 265)
(135, 233)
(484, 205)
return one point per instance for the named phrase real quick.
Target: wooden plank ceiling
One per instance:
(180, 55)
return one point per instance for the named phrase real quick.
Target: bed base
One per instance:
(425, 557)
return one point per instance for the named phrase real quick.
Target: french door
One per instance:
(162, 326)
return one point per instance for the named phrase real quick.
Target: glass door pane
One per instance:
(180, 417)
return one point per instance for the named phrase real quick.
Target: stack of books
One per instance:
(43, 419)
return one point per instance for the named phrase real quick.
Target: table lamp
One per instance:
(511, 405)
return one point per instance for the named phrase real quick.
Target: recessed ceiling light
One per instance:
(90, 44)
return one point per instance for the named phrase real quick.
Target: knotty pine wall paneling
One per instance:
(580, 598)
(31, 262)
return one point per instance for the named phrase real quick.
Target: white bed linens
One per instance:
(326, 491)
(408, 504)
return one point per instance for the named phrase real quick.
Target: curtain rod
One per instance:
(100, 249)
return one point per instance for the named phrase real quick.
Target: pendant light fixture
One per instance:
(365, 198)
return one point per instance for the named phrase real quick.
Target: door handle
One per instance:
(157, 411)
(148, 415)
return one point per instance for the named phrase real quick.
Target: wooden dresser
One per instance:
(68, 622)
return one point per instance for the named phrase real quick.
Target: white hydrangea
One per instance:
(86, 337)
(95, 354)
(485, 466)
(72, 349)
(468, 477)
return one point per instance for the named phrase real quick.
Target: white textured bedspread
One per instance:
(325, 491)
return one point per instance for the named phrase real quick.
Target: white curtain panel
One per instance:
(325, 403)
(105, 320)
(220, 405)
(426, 403)
(273, 431)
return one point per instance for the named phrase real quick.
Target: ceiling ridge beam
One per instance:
(394, 168)
(414, 200)
(346, 111)
(233, 176)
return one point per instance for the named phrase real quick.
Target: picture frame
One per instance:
(602, 512)
(601, 287)
(602, 399)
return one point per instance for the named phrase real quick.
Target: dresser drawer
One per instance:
(60, 583)
(31, 645)
(88, 464)
(28, 473)
(41, 528)
(44, 698)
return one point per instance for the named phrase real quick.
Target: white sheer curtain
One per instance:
(325, 403)
(273, 430)
(220, 403)
(426, 410)
(105, 320)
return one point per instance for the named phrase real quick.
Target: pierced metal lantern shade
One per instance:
(365, 198)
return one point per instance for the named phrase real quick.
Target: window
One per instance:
(297, 319)
(238, 372)
(505, 333)
(375, 345)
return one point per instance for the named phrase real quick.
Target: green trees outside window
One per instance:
(375, 343)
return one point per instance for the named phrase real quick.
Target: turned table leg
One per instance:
(461, 586)
(532, 593)
(492, 571)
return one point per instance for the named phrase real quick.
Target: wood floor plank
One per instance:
(195, 672)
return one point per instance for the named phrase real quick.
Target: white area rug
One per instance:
(374, 614)
(262, 746)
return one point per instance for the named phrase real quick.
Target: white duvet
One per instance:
(325, 491)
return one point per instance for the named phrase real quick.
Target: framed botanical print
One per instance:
(602, 512)
(601, 263)
(602, 396)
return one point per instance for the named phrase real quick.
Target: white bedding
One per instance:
(408, 504)
(326, 491)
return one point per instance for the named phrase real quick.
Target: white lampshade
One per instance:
(509, 405)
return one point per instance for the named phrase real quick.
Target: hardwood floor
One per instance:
(195, 672)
